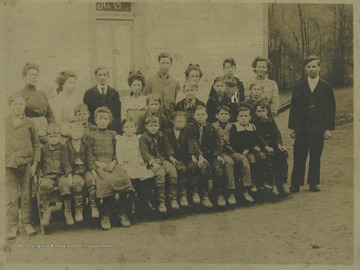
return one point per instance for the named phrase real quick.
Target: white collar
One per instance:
(239, 127)
(99, 86)
(313, 82)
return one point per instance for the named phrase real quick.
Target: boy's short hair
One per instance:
(53, 128)
(155, 97)
(191, 83)
(311, 58)
(103, 109)
(101, 68)
(192, 67)
(128, 120)
(261, 59)
(200, 107)
(76, 124)
(231, 61)
(16, 96)
(244, 108)
(165, 55)
(152, 119)
(81, 107)
(254, 84)
(219, 79)
(136, 76)
(178, 114)
(262, 104)
(224, 108)
(29, 66)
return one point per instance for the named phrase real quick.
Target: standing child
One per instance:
(183, 154)
(156, 150)
(190, 101)
(82, 115)
(153, 102)
(55, 170)
(256, 95)
(277, 156)
(242, 166)
(79, 152)
(245, 139)
(208, 150)
(135, 103)
(234, 87)
(22, 155)
(111, 179)
(220, 99)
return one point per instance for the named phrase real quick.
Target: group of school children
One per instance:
(233, 145)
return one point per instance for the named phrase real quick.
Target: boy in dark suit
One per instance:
(208, 150)
(104, 95)
(220, 99)
(190, 101)
(311, 119)
(183, 157)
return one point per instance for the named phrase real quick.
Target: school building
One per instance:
(126, 36)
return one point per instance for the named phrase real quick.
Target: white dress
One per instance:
(132, 106)
(129, 157)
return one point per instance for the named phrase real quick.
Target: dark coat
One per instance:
(183, 147)
(84, 156)
(54, 160)
(148, 143)
(245, 139)
(210, 143)
(240, 86)
(180, 106)
(268, 130)
(213, 103)
(94, 100)
(311, 111)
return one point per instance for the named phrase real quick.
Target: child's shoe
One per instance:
(247, 196)
(124, 221)
(275, 191)
(29, 229)
(79, 216)
(253, 189)
(12, 232)
(174, 204)
(105, 222)
(231, 199)
(183, 200)
(162, 207)
(206, 202)
(267, 186)
(285, 189)
(221, 201)
(195, 196)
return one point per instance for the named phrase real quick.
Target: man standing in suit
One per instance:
(163, 84)
(103, 95)
(311, 120)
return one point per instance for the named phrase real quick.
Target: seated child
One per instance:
(55, 170)
(245, 139)
(135, 103)
(82, 115)
(220, 99)
(190, 101)
(242, 166)
(208, 150)
(78, 151)
(128, 152)
(183, 154)
(22, 155)
(156, 150)
(153, 102)
(111, 179)
(277, 155)
(256, 95)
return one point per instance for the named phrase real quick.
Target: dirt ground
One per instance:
(304, 228)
